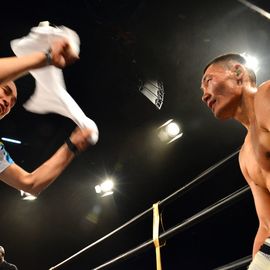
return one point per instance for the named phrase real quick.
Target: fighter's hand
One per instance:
(62, 54)
(80, 138)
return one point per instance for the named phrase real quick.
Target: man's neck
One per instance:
(245, 111)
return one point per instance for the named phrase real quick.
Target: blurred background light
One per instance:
(105, 188)
(169, 131)
(251, 62)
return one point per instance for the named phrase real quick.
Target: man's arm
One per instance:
(60, 55)
(45, 174)
(261, 131)
(262, 203)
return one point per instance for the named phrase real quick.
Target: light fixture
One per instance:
(169, 131)
(105, 188)
(154, 91)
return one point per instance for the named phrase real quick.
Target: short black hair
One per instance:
(225, 58)
(2, 250)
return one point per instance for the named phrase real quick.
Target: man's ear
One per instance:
(238, 70)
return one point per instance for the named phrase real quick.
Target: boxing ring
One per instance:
(180, 227)
(81, 120)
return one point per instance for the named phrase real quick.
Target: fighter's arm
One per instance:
(45, 174)
(262, 203)
(60, 55)
(261, 131)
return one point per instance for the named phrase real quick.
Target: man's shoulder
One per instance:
(8, 266)
(12, 266)
(262, 95)
(265, 86)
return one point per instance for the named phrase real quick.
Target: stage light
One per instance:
(105, 188)
(169, 131)
(154, 91)
(172, 129)
(251, 62)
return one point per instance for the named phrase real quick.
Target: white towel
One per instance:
(50, 94)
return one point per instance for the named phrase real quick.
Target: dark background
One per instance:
(122, 43)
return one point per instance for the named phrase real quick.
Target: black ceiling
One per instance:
(122, 43)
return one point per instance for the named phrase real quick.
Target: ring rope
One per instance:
(156, 221)
(197, 180)
(193, 183)
(255, 8)
(214, 208)
(236, 264)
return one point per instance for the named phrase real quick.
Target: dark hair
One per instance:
(226, 58)
(2, 250)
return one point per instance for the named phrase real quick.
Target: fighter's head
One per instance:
(230, 59)
(223, 82)
(2, 254)
(8, 97)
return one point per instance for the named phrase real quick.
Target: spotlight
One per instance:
(172, 129)
(251, 62)
(169, 132)
(105, 188)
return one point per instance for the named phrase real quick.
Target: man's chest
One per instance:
(251, 167)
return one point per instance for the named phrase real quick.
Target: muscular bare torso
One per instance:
(254, 156)
(250, 166)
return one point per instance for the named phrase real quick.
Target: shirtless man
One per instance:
(11, 68)
(230, 91)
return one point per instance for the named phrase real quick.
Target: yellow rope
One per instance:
(156, 235)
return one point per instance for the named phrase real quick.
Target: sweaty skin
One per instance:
(229, 93)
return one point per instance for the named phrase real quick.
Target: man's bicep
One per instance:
(15, 176)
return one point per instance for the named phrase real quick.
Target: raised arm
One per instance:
(44, 175)
(59, 55)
